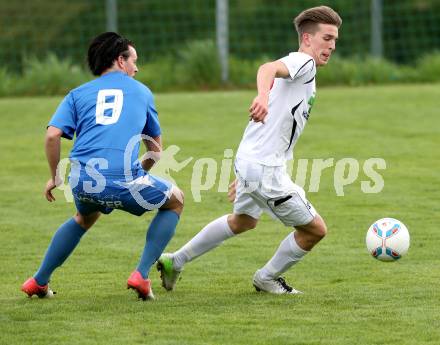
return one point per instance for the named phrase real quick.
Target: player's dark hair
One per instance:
(308, 20)
(105, 49)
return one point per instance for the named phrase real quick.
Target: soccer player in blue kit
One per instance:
(109, 115)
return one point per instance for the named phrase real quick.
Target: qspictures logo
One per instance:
(208, 174)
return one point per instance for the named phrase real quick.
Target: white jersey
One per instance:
(290, 102)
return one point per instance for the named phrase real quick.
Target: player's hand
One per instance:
(259, 108)
(50, 185)
(232, 191)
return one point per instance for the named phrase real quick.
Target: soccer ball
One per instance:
(387, 239)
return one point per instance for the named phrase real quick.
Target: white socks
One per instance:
(287, 255)
(213, 234)
(208, 238)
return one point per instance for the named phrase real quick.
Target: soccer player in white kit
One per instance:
(278, 115)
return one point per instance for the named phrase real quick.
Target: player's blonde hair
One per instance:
(308, 20)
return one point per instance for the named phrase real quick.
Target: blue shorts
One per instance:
(145, 193)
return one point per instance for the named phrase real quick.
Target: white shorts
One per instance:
(270, 189)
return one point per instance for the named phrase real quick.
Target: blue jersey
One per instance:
(105, 114)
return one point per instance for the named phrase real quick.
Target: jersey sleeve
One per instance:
(152, 126)
(298, 64)
(65, 117)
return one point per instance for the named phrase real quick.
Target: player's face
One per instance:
(322, 44)
(129, 65)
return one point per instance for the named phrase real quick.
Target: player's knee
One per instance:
(321, 230)
(180, 198)
(316, 228)
(239, 224)
(86, 222)
(176, 202)
(248, 226)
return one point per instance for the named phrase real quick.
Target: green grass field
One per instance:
(350, 298)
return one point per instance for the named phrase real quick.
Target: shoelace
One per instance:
(283, 284)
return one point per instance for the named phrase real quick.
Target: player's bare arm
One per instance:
(265, 77)
(154, 150)
(53, 148)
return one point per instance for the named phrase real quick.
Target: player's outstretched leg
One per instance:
(211, 236)
(63, 243)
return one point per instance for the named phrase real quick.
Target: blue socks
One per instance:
(69, 234)
(63, 243)
(160, 232)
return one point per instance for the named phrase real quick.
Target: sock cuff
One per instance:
(72, 222)
(168, 211)
(294, 245)
(226, 226)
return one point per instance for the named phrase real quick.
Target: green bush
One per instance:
(197, 66)
(364, 72)
(49, 77)
(428, 68)
(338, 72)
(243, 73)
(159, 75)
(6, 83)
(376, 71)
